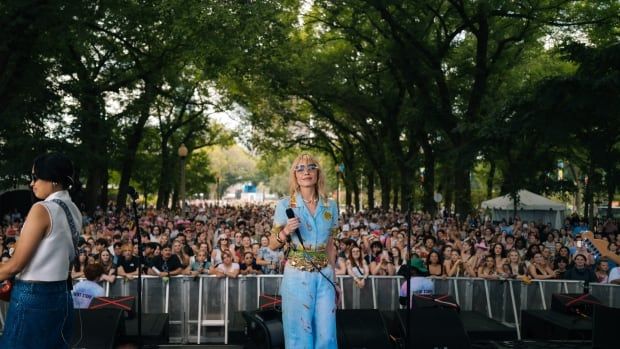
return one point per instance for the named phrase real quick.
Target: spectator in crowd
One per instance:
(268, 259)
(249, 266)
(78, 265)
(108, 268)
(614, 276)
(148, 255)
(246, 246)
(539, 268)
(167, 264)
(85, 290)
(499, 255)
(580, 271)
(227, 268)
(357, 267)
(179, 252)
(514, 267)
(560, 267)
(221, 246)
(115, 252)
(385, 266)
(612, 249)
(128, 264)
(201, 264)
(418, 283)
(434, 264)
(397, 257)
(602, 271)
(565, 252)
(488, 270)
(454, 265)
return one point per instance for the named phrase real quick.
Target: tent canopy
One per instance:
(531, 207)
(527, 201)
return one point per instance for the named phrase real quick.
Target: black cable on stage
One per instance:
(134, 205)
(408, 343)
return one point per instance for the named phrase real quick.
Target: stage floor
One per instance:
(531, 344)
(476, 345)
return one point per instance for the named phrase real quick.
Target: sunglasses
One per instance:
(33, 177)
(304, 168)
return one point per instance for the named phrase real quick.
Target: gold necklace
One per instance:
(311, 201)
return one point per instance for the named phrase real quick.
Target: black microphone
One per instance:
(132, 192)
(290, 214)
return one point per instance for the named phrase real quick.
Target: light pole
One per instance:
(183, 155)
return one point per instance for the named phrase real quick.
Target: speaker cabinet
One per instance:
(434, 327)
(98, 328)
(264, 327)
(362, 328)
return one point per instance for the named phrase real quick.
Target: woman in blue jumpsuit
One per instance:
(308, 289)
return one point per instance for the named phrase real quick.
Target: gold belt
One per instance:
(308, 260)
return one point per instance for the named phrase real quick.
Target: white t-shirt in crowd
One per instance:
(614, 274)
(84, 292)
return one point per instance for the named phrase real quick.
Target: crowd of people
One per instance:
(228, 241)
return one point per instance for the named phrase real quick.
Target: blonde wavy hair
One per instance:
(319, 187)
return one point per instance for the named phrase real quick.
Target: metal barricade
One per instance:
(206, 308)
(608, 294)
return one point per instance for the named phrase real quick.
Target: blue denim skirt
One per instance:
(40, 315)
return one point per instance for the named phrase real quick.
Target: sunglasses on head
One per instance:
(308, 167)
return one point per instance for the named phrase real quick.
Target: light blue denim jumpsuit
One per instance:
(308, 299)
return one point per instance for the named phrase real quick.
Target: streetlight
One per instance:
(183, 155)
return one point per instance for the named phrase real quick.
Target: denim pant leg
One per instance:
(325, 311)
(40, 315)
(308, 309)
(297, 308)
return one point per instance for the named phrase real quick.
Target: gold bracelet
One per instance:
(279, 240)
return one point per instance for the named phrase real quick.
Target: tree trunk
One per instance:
(490, 180)
(94, 148)
(448, 194)
(395, 190)
(103, 199)
(406, 188)
(386, 187)
(428, 195)
(133, 142)
(347, 194)
(165, 182)
(462, 191)
(588, 208)
(611, 189)
(370, 189)
(356, 195)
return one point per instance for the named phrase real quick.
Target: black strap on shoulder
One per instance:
(74, 232)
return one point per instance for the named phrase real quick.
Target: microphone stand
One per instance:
(408, 277)
(134, 206)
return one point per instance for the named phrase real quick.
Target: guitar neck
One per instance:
(611, 256)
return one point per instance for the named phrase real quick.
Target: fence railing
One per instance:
(206, 308)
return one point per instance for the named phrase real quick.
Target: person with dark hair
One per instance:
(248, 266)
(561, 263)
(167, 264)
(580, 271)
(41, 307)
(85, 290)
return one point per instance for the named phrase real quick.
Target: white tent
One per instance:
(531, 207)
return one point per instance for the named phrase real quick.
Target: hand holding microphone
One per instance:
(292, 224)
